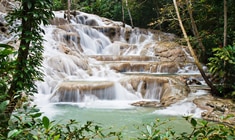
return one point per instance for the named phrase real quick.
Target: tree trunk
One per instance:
(69, 5)
(225, 23)
(194, 27)
(18, 80)
(158, 13)
(129, 13)
(21, 64)
(213, 89)
(123, 14)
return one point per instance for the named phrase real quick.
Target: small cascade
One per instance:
(154, 91)
(92, 41)
(82, 91)
(184, 107)
(78, 91)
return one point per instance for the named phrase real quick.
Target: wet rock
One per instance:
(77, 91)
(152, 67)
(91, 22)
(112, 32)
(3, 28)
(170, 51)
(4, 33)
(70, 36)
(58, 21)
(67, 64)
(193, 81)
(123, 58)
(8, 5)
(1, 24)
(67, 28)
(219, 110)
(2, 8)
(165, 89)
(147, 104)
(69, 41)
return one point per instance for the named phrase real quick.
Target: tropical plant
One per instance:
(7, 65)
(222, 66)
(59, 5)
(29, 55)
(201, 130)
(6, 68)
(29, 123)
(155, 131)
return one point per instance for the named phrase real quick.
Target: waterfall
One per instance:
(95, 60)
(72, 69)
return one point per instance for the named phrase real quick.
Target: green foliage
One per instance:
(202, 130)
(29, 59)
(6, 68)
(208, 16)
(222, 65)
(143, 12)
(153, 131)
(106, 8)
(29, 123)
(206, 130)
(59, 5)
(18, 74)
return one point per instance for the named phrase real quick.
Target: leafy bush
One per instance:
(222, 66)
(202, 130)
(59, 5)
(6, 67)
(29, 123)
(105, 8)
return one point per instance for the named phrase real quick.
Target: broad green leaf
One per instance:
(29, 4)
(3, 105)
(6, 46)
(13, 133)
(36, 115)
(46, 122)
(149, 129)
(57, 137)
(35, 137)
(193, 122)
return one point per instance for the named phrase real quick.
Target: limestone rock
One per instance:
(76, 91)
(147, 104)
(8, 5)
(219, 110)
(165, 89)
(58, 21)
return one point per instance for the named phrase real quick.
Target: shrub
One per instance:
(222, 66)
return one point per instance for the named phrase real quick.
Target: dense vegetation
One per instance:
(18, 75)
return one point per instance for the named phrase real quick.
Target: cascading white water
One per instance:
(92, 41)
(66, 59)
(60, 66)
(74, 74)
